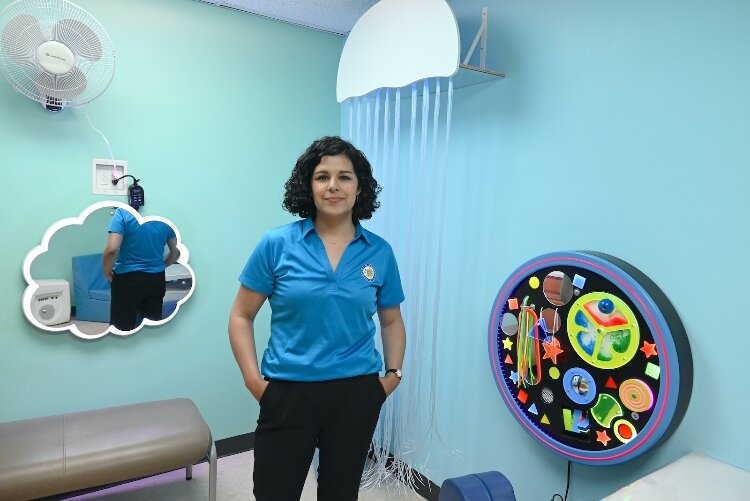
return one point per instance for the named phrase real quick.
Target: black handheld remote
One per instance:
(136, 197)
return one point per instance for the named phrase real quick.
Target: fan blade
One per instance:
(45, 83)
(79, 38)
(70, 85)
(21, 36)
(63, 87)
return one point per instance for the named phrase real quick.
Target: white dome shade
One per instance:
(396, 43)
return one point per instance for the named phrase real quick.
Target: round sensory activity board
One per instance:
(590, 356)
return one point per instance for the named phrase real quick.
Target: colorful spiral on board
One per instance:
(636, 395)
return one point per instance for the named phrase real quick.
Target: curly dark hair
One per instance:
(298, 197)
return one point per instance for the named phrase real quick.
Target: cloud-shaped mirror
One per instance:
(108, 270)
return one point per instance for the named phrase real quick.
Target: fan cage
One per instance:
(26, 24)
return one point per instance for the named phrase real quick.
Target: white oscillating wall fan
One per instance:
(55, 52)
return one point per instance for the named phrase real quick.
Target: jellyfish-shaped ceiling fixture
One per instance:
(396, 43)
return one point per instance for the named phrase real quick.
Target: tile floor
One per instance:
(234, 483)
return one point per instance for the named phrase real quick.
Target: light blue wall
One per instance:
(210, 107)
(622, 128)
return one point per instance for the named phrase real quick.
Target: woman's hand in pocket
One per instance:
(390, 383)
(257, 387)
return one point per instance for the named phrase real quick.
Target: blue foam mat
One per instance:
(487, 486)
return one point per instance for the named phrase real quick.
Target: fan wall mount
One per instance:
(55, 52)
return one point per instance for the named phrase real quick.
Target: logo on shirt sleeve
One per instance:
(368, 271)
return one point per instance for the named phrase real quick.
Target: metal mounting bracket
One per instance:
(481, 36)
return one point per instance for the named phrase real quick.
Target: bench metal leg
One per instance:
(212, 473)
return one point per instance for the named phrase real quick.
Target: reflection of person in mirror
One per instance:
(325, 277)
(134, 261)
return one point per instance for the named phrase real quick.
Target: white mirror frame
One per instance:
(79, 220)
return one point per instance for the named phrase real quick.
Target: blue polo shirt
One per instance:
(142, 247)
(321, 322)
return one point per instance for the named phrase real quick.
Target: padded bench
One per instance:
(69, 452)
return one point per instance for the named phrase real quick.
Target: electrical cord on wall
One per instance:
(106, 141)
(136, 195)
(117, 180)
(557, 497)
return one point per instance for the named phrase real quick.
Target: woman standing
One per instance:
(325, 278)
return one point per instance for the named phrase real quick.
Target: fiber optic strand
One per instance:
(527, 348)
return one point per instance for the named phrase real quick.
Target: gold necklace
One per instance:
(330, 242)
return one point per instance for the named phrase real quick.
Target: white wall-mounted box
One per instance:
(104, 171)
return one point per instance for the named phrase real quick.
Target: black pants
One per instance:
(338, 417)
(133, 293)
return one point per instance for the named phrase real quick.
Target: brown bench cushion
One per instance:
(63, 453)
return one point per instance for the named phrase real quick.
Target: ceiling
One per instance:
(335, 16)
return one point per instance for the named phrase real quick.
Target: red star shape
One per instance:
(601, 436)
(648, 349)
(552, 350)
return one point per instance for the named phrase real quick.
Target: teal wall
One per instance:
(622, 128)
(629, 119)
(210, 107)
